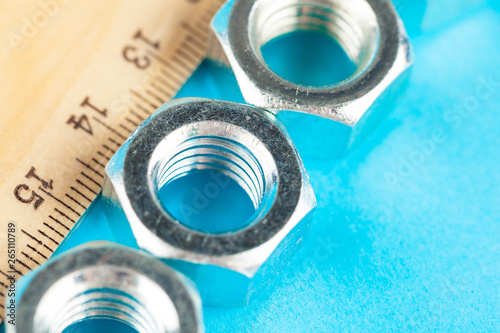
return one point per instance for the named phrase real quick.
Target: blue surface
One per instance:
(406, 236)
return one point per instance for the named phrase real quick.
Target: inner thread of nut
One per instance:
(223, 148)
(107, 292)
(351, 23)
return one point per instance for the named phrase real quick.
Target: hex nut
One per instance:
(370, 31)
(103, 280)
(243, 142)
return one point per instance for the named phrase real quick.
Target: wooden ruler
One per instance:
(76, 77)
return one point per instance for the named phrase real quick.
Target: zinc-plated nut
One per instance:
(244, 143)
(102, 280)
(370, 31)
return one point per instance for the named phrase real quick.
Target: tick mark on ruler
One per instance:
(98, 163)
(36, 251)
(142, 109)
(101, 154)
(191, 49)
(181, 63)
(47, 236)
(81, 194)
(75, 201)
(23, 264)
(159, 99)
(61, 202)
(32, 237)
(108, 127)
(54, 230)
(29, 258)
(166, 84)
(141, 118)
(88, 188)
(195, 31)
(89, 167)
(186, 56)
(64, 215)
(107, 148)
(125, 128)
(143, 99)
(115, 142)
(58, 222)
(131, 121)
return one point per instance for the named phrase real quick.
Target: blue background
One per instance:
(406, 235)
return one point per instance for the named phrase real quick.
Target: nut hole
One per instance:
(106, 293)
(352, 24)
(230, 159)
(99, 326)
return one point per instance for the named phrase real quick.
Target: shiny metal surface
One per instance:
(246, 144)
(102, 280)
(370, 31)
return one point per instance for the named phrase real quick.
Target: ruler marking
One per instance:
(88, 188)
(58, 222)
(187, 56)
(23, 264)
(142, 98)
(168, 93)
(107, 148)
(191, 49)
(101, 154)
(48, 248)
(177, 78)
(166, 83)
(109, 127)
(181, 63)
(2, 294)
(3, 307)
(125, 128)
(131, 122)
(32, 237)
(75, 201)
(136, 114)
(52, 228)
(30, 258)
(81, 194)
(142, 109)
(152, 94)
(60, 201)
(47, 236)
(64, 215)
(196, 43)
(36, 251)
(98, 163)
(195, 31)
(115, 142)
(167, 64)
(89, 167)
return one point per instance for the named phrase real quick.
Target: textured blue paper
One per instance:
(406, 236)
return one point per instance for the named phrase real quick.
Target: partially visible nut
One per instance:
(105, 280)
(370, 31)
(244, 143)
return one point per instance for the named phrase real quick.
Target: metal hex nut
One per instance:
(104, 280)
(243, 142)
(370, 31)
